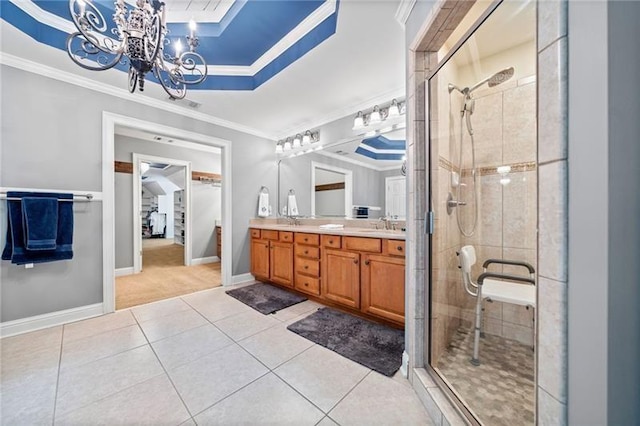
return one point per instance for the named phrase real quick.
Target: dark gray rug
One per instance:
(265, 298)
(373, 345)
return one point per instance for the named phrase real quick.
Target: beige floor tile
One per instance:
(381, 401)
(170, 325)
(275, 345)
(189, 422)
(207, 380)
(246, 324)
(97, 325)
(296, 310)
(159, 309)
(190, 345)
(30, 401)
(29, 342)
(81, 351)
(153, 402)
(216, 305)
(322, 376)
(265, 401)
(327, 422)
(22, 367)
(84, 384)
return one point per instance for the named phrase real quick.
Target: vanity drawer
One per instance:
(307, 284)
(307, 251)
(372, 245)
(269, 234)
(395, 247)
(255, 233)
(333, 241)
(308, 266)
(286, 237)
(312, 239)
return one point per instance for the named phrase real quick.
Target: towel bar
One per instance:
(83, 197)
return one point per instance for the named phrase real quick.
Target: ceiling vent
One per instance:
(186, 102)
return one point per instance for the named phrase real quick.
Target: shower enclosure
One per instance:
(483, 191)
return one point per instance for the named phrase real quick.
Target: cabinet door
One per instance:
(282, 263)
(260, 259)
(341, 277)
(383, 287)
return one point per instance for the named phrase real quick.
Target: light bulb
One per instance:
(192, 28)
(296, 141)
(358, 122)
(287, 145)
(394, 109)
(82, 6)
(306, 138)
(279, 149)
(178, 46)
(375, 117)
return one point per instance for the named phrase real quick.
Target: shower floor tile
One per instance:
(500, 391)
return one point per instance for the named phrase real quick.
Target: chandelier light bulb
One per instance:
(296, 141)
(81, 6)
(178, 46)
(192, 28)
(375, 117)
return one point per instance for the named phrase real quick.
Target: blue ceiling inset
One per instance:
(244, 43)
(381, 148)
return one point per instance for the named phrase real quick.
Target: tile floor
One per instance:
(204, 358)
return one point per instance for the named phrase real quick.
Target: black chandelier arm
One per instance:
(86, 53)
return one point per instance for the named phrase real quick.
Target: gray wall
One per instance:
(52, 138)
(604, 207)
(205, 200)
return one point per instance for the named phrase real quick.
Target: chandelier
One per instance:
(137, 38)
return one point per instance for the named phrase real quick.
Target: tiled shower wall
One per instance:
(552, 213)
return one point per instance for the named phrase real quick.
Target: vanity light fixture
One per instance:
(299, 144)
(379, 116)
(137, 38)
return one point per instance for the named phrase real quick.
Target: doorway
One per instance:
(395, 197)
(331, 190)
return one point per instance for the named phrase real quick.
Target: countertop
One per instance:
(348, 231)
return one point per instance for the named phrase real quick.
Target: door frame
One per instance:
(197, 141)
(348, 186)
(137, 206)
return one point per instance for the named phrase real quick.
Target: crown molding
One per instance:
(404, 10)
(67, 77)
(344, 112)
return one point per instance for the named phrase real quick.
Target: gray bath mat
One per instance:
(265, 298)
(373, 345)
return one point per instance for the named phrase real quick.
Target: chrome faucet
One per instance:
(385, 222)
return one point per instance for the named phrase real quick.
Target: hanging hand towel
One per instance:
(15, 249)
(292, 205)
(263, 204)
(40, 222)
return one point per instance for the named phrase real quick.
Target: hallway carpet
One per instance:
(164, 275)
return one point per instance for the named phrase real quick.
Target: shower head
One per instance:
(452, 88)
(498, 78)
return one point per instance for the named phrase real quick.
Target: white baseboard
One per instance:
(205, 260)
(38, 322)
(242, 278)
(124, 271)
(404, 368)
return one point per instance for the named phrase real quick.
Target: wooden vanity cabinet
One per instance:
(272, 256)
(307, 263)
(382, 286)
(341, 277)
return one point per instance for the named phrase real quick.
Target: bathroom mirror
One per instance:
(355, 179)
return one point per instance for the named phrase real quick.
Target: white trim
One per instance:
(132, 133)
(38, 322)
(243, 278)
(426, 24)
(404, 368)
(402, 15)
(120, 272)
(205, 260)
(47, 18)
(381, 151)
(356, 162)
(109, 123)
(166, 105)
(348, 186)
(137, 204)
(97, 196)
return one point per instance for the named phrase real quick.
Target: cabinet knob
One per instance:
(330, 241)
(355, 261)
(266, 245)
(306, 266)
(399, 248)
(306, 252)
(366, 262)
(306, 284)
(306, 239)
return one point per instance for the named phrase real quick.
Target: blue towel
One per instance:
(40, 222)
(15, 249)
